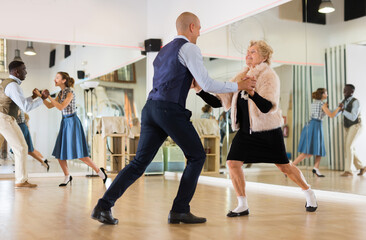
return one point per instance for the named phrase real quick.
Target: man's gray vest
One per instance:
(348, 123)
(7, 106)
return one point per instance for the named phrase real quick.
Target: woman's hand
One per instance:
(330, 114)
(195, 86)
(247, 84)
(45, 94)
(341, 106)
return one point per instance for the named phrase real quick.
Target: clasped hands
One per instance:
(195, 86)
(341, 106)
(247, 84)
(43, 94)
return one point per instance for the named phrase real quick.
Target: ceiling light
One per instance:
(326, 7)
(83, 86)
(17, 56)
(30, 50)
(91, 84)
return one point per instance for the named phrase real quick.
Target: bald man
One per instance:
(164, 114)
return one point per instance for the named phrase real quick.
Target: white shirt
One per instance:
(190, 56)
(355, 109)
(15, 93)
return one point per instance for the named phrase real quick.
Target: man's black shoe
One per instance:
(175, 218)
(103, 216)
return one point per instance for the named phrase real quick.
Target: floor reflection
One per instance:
(33, 166)
(268, 173)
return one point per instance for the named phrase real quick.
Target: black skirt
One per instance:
(259, 147)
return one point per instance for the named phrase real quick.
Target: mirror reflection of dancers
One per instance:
(312, 136)
(22, 121)
(207, 112)
(11, 100)
(257, 117)
(70, 142)
(351, 112)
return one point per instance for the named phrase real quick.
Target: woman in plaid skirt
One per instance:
(312, 137)
(70, 142)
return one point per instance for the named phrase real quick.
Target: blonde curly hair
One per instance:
(264, 50)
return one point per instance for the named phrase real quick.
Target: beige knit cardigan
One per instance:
(267, 86)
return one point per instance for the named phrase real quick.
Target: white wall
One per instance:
(284, 72)
(116, 22)
(293, 42)
(213, 14)
(108, 22)
(341, 32)
(356, 72)
(95, 61)
(93, 22)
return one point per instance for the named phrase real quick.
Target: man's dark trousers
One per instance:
(161, 119)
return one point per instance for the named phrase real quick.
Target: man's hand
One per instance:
(341, 106)
(247, 84)
(35, 95)
(195, 86)
(45, 94)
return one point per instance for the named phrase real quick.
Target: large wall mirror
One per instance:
(311, 51)
(120, 91)
(307, 56)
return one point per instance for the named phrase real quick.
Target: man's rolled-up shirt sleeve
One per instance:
(354, 113)
(15, 92)
(191, 57)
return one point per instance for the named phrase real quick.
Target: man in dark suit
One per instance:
(164, 114)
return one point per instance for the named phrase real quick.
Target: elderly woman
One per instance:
(257, 118)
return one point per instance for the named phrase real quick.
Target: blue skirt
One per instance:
(27, 137)
(70, 142)
(312, 138)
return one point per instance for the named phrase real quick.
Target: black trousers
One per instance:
(161, 119)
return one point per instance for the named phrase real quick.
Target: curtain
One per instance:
(335, 75)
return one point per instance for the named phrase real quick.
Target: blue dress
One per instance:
(27, 136)
(71, 142)
(312, 136)
(23, 126)
(206, 115)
